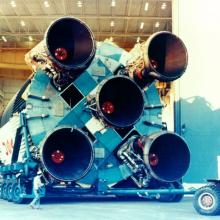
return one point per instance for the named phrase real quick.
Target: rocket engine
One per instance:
(89, 118)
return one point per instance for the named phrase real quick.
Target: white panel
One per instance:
(22, 151)
(7, 137)
(94, 125)
(197, 23)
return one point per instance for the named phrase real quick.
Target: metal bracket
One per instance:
(163, 126)
(154, 106)
(37, 116)
(42, 98)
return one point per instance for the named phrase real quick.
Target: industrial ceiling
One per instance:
(23, 22)
(125, 22)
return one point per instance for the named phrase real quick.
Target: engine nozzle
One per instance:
(70, 43)
(67, 154)
(167, 155)
(120, 101)
(165, 59)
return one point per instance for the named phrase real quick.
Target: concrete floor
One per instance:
(102, 209)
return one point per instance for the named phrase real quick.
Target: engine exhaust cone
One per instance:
(70, 43)
(165, 57)
(67, 154)
(167, 156)
(120, 101)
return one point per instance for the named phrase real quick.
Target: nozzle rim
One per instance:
(80, 66)
(149, 67)
(48, 170)
(99, 109)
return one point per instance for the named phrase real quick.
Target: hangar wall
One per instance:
(1, 95)
(13, 73)
(9, 88)
(197, 101)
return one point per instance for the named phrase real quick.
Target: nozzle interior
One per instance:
(125, 101)
(172, 155)
(167, 56)
(67, 154)
(75, 38)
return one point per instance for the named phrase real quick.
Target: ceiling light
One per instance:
(79, 4)
(30, 38)
(4, 39)
(22, 23)
(146, 6)
(157, 24)
(163, 6)
(138, 39)
(13, 4)
(46, 4)
(112, 24)
(142, 25)
(113, 4)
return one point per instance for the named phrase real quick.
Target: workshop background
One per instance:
(125, 22)
(192, 102)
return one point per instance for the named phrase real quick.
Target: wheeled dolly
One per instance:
(207, 198)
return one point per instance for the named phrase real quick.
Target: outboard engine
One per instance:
(163, 57)
(67, 154)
